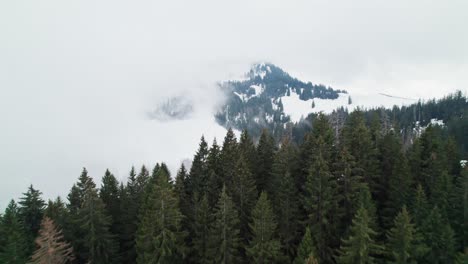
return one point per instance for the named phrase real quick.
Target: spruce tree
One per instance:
(244, 194)
(31, 211)
(129, 207)
(265, 156)
(439, 238)
(110, 195)
(395, 183)
(420, 206)
(228, 158)
(215, 175)
(159, 237)
(287, 214)
(198, 176)
(306, 248)
(15, 248)
(349, 182)
(404, 244)
(247, 150)
(225, 239)
(51, 247)
(458, 210)
(264, 246)
(98, 243)
(57, 212)
(321, 204)
(358, 140)
(360, 247)
(141, 184)
(201, 231)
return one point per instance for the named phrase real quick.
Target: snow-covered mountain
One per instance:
(270, 97)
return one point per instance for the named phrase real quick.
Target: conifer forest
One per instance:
(364, 191)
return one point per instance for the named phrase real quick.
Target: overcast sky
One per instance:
(77, 77)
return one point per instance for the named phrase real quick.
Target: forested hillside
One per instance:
(347, 188)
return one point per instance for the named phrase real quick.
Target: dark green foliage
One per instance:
(264, 246)
(57, 211)
(361, 246)
(198, 176)
(247, 150)
(285, 199)
(215, 175)
(159, 237)
(320, 203)
(228, 159)
(141, 184)
(15, 245)
(244, 194)
(30, 212)
(404, 244)
(306, 248)
(395, 183)
(358, 139)
(265, 156)
(203, 220)
(224, 238)
(129, 207)
(349, 182)
(110, 196)
(458, 211)
(98, 243)
(439, 238)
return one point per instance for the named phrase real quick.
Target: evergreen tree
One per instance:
(228, 159)
(264, 246)
(247, 150)
(420, 206)
(265, 156)
(51, 247)
(31, 211)
(98, 243)
(201, 231)
(404, 244)
(198, 176)
(395, 182)
(215, 175)
(360, 247)
(320, 204)
(110, 195)
(358, 140)
(57, 212)
(159, 237)
(141, 184)
(306, 248)
(225, 231)
(129, 207)
(285, 198)
(439, 237)
(244, 194)
(15, 248)
(458, 210)
(349, 182)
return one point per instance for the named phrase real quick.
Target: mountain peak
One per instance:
(270, 97)
(262, 69)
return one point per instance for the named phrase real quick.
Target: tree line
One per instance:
(357, 196)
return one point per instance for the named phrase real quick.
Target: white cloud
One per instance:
(76, 77)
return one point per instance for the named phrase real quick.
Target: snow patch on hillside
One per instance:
(297, 108)
(258, 89)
